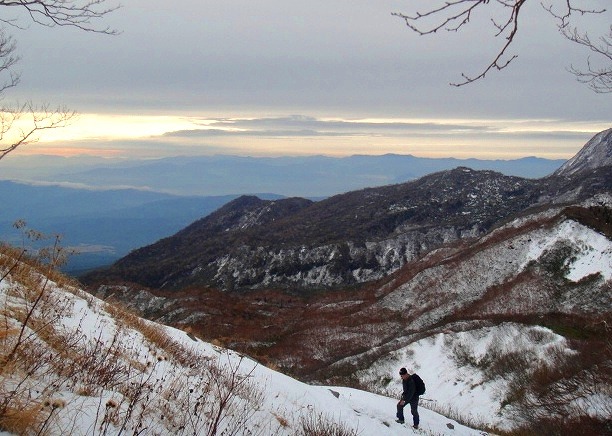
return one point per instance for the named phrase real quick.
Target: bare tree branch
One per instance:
(599, 79)
(568, 9)
(454, 15)
(24, 122)
(8, 59)
(81, 14)
(20, 125)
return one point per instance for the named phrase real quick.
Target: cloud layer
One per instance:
(307, 135)
(247, 65)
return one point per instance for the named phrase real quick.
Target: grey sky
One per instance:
(341, 59)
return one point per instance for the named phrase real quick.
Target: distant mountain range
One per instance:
(354, 237)
(88, 201)
(101, 225)
(310, 177)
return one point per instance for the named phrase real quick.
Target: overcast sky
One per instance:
(333, 77)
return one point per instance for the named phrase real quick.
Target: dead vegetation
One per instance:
(50, 358)
(58, 364)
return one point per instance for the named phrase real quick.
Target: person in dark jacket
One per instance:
(409, 396)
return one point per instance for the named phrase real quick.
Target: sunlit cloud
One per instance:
(108, 127)
(155, 136)
(68, 151)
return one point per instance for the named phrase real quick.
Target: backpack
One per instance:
(419, 384)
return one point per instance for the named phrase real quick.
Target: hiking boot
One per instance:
(399, 421)
(416, 426)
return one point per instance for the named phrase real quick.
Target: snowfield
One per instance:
(592, 251)
(470, 368)
(450, 364)
(178, 387)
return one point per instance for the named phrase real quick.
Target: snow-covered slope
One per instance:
(548, 245)
(595, 154)
(73, 364)
(452, 365)
(454, 308)
(468, 317)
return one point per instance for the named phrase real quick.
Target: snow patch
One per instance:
(593, 251)
(451, 364)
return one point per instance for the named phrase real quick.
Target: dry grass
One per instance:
(282, 421)
(36, 348)
(461, 417)
(23, 416)
(315, 424)
(6, 334)
(41, 356)
(153, 333)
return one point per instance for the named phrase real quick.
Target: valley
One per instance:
(314, 218)
(496, 289)
(544, 263)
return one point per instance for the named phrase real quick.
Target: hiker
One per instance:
(409, 396)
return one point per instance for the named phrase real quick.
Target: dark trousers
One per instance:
(414, 404)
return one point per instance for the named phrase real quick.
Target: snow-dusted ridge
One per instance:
(469, 274)
(596, 153)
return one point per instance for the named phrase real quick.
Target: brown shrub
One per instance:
(22, 417)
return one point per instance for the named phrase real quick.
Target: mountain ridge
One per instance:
(349, 238)
(595, 154)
